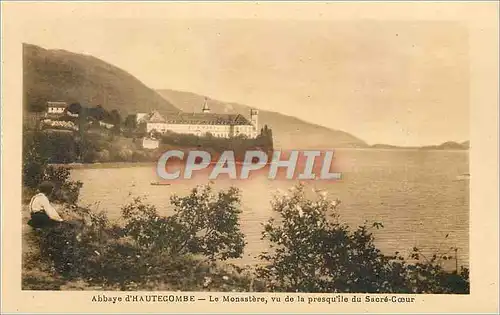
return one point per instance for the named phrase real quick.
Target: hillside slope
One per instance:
(59, 75)
(288, 132)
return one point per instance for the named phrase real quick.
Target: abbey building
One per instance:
(199, 124)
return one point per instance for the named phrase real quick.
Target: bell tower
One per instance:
(206, 109)
(254, 118)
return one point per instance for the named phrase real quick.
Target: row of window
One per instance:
(211, 129)
(197, 132)
(205, 127)
(55, 110)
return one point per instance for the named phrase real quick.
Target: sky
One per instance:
(394, 82)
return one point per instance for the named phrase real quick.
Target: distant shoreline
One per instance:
(449, 145)
(98, 165)
(372, 148)
(103, 165)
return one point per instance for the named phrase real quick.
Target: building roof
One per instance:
(57, 104)
(198, 119)
(208, 119)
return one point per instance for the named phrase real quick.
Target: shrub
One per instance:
(75, 247)
(124, 155)
(312, 252)
(57, 245)
(103, 156)
(203, 223)
(149, 248)
(65, 190)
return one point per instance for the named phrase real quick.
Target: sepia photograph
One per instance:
(390, 98)
(240, 156)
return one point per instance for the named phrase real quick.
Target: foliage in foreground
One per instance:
(311, 251)
(179, 250)
(203, 223)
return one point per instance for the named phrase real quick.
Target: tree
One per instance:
(270, 139)
(98, 113)
(203, 222)
(116, 119)
(82, 131)
(74, 108)
(59, 147)
(34, 160)
(37, 149)
(130, 122)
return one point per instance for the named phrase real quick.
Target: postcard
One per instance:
(250, 157)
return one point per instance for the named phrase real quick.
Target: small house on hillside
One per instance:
(56, 107)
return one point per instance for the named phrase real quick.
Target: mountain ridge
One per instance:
(448, 145)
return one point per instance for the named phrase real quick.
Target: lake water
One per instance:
(415, 194)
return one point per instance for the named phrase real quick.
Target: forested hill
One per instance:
(59, 75)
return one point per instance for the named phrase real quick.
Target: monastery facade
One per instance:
(199, 124)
